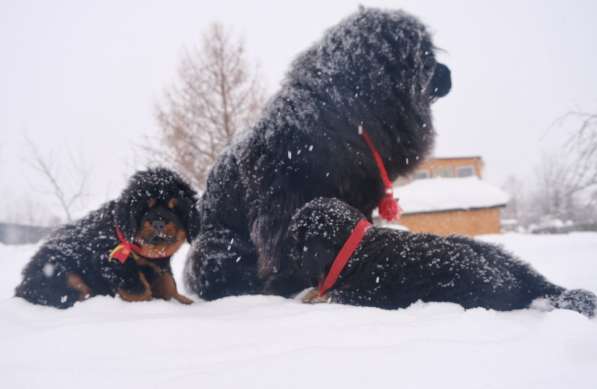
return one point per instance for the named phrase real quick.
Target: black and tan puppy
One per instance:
(375, 70)
(393, 269)
(123, 248)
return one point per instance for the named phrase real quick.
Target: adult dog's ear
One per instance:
(441, 81)
(193, 223)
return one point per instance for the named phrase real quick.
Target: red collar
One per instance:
(388, 206)
(350, 246)
(124, 248)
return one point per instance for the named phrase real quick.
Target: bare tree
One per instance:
(582, 151)
(556, 185)
(516, 206)
(565, 181)
(65, 198)
(216, 96)
(567, 178)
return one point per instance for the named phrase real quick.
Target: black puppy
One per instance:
(375, 70)
(392, 269)
(122, 248)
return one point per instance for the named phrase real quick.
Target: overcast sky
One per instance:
(81, 78)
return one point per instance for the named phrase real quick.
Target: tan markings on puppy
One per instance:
(313, 297)
(172, 203)
(164, 287)
(162, 250)
(145, 296)
(151, 202)
(183, 299)
(145, 232)
(75, 282)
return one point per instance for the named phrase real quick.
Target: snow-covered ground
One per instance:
(271, 342)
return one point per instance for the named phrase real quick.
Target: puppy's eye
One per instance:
(151, 202)
(172, 203)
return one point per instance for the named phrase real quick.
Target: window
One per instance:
(443, 172)
(465, 171)
(420, 174)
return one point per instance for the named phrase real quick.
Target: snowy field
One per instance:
(270, 342)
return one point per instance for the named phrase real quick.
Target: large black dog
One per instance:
(393, 269)
(122, 248)
(375, 69)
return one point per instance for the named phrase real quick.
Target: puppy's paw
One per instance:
(313, 297)
(164, 287)
(74, 281)
(183, 299)
(144, 294)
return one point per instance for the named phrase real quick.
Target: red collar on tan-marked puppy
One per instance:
(124, 249)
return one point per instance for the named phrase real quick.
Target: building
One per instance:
(448, 167)
(448, 196)
(11, 233)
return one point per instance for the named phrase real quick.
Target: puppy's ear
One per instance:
(441, 81)
(189, 212)
(295, 237)
(124, 216)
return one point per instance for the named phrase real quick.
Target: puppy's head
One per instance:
(316, 234)
(157, 211)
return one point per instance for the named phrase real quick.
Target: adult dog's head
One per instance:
(157, 212)
(376, 68)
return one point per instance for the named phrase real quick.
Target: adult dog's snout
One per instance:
(441, 81)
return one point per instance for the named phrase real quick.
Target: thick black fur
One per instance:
(376, 68)
(393, 269)
(83, 247)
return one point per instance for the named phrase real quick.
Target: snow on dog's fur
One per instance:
(377, 69)
(393, 269)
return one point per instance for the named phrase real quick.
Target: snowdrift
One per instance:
(271, 342)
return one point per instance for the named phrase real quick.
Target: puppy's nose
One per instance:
(158, 225)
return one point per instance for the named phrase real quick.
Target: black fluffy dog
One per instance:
(393, 269)
(122, 248)
(376, 69)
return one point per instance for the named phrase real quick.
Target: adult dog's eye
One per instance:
(151, 202)
(172, 203)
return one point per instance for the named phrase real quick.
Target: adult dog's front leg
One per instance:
(279, 275)
(221, 263)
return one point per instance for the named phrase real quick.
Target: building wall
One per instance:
(472, 222)
(435, 165)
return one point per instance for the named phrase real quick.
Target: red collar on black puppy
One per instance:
(349, 247)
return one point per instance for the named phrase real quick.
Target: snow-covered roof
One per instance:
(464, 156)
(444, 194)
